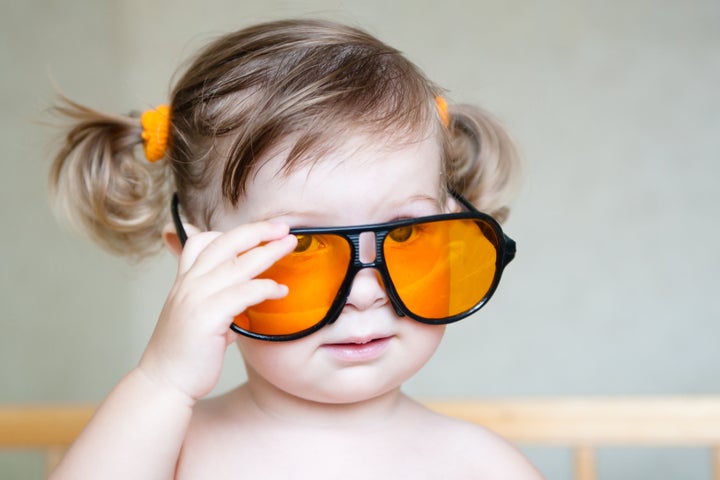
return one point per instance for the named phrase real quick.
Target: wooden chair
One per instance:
(49, 429)
(582, 424)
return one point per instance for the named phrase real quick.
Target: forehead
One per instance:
(357, 181)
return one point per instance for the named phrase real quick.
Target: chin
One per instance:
(352, 385)
(350, 395)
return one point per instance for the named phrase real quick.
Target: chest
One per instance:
(319, 456)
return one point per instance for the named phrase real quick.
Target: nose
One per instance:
(367, 289)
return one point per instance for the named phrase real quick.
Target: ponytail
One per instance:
(99, 185)
(483, 163)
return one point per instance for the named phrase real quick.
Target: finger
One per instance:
(239, 268)
(248, 265)
(193, 295)
(193, 247)
(226, 304)
(236, 241)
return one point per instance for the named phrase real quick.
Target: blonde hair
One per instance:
(307, 80)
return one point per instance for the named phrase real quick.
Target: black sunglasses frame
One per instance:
(506, 249)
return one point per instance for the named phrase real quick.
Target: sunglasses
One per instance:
(436, 269)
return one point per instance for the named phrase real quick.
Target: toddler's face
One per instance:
(369, 350)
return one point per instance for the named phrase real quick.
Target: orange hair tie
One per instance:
(442, 108)
(155, 129)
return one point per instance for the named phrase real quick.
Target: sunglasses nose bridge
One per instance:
(377, 263)
(368, 251)
(366, 247)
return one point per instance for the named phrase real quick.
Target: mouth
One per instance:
(359, 349)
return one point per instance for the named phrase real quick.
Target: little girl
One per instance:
(324, 219)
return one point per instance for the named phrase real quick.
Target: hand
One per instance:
(215, 282)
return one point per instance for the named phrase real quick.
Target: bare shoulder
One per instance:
(208, 438)
(475, 451)
(214, 416)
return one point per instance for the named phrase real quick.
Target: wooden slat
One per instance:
(715, 452)
(41, 427)
(585, 464)
(651, 421)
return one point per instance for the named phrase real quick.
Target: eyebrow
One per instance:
(310, 214)
(272, 214)
(426, 198)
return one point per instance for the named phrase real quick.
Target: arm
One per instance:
(139, 429)
(136, 433)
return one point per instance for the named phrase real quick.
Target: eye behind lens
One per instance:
(303, 243)
(401, 234)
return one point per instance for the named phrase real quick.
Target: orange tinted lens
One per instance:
(313, 274)
(441, 269)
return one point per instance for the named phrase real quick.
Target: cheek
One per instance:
(422, 341)
(284, 365)
(264, 356)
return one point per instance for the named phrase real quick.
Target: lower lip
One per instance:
(353, 352)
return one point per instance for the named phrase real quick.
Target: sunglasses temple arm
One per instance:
(510, 247)
(179, 229)
(464, 201)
